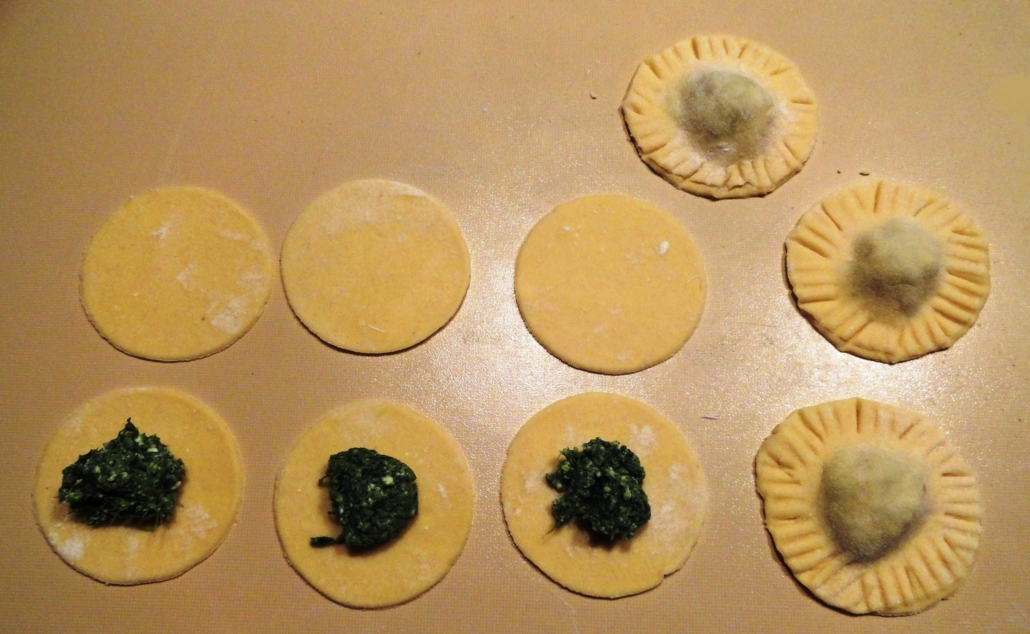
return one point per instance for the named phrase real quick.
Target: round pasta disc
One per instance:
(821, 250)
(933, 559)
(210, 494)
(674, 483)
(654, 104)
(375, 266)
(610, 284)
(176, 274)
(405, 567)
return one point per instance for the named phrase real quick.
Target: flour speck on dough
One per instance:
(184, 276)
(162, 231)
(231, 319)
(643, 439)
(199, 520)
(663, 248)
(442, 489)
(233, 235)
(253, 280)
(71, 549)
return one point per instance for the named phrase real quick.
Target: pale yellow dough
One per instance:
(375, 266)
(674, 483)
(901, 234)
(210, 497)
(933, 556)
(610, 284)
(776, 116)
(409, 565)
(177, 274)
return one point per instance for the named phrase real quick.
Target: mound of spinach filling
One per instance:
(601, 487)
(374, 498)
(133, 479)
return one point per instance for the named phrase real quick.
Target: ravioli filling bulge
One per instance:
(872, 500)
(727, 115)
(895, 268)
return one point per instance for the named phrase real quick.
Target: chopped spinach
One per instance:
(133, 479)
(374, 497)
(601, 489)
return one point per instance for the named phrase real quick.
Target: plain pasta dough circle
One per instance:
(375, 266)
(412, 563)
(922, 570)
(650, 106)
(610, 284)
(674, 484)
(210, 498)
(176, 274)
(821, 248)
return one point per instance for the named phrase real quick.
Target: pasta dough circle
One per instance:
(927, 566)
(674, 483)
(659, 116)
(407, 566)
(210, 497)
(375, 266)
(904, 324)
(176, 274)
(610, 284)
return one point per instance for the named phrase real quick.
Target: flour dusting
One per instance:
(162, 231)
(253, 280)
(232, 318)
(239, 237)
(199, 521)
(185, 275)
(442, 490)
(643, 438)
(71, 549)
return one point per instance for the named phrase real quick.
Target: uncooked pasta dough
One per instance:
(870, 507)
(210, 497)
(406, 566)
(176, 274)
(888, 272)
(375, 266)
(674, 484)
(610, 284)
(721, 116)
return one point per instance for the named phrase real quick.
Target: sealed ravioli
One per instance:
(870, 507)
(721, 116)
(582, 560)
(145, 550)
(403, 560)
(176, 274)
(375, 266)
(610, 284)
(888, 272)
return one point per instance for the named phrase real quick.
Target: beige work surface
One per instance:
(500, 110)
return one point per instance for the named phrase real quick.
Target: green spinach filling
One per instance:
(133, 479)
(601, 487)
(374, 497)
